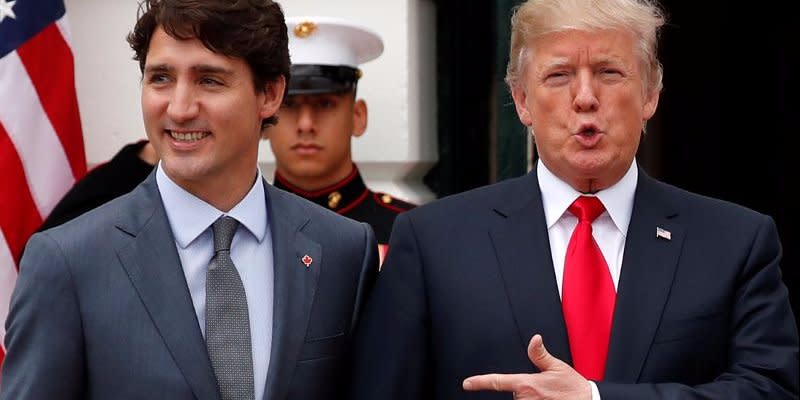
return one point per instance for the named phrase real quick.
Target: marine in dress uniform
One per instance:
(353, 199)
(321, 115)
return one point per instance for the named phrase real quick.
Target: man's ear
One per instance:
(273, 97)
(650, 105)
(359, 117)
(520, 103)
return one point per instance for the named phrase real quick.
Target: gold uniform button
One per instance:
(333, 199)
(386, 199)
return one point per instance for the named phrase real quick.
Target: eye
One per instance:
(209, 81)
(158, 78)
(326, 103)
(611, 73)
(557, 78)
(288, 104)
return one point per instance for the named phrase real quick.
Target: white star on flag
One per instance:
(6, 10)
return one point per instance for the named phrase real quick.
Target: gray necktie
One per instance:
(227, 321)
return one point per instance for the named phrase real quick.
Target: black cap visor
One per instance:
(318, 79)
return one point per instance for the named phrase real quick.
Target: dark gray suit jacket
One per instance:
(470, 279)
(101, 309)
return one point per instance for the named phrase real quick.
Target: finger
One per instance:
(539, 355)
(495, 382)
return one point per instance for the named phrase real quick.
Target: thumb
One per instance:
(539, 356)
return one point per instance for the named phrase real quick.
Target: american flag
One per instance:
(41, 144)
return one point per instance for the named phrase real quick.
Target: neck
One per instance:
(223, 194)
(314, 183)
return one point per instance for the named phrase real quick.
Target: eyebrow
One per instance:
(211, 69)
(199, 68)
(554, 63)
(157, 68)
(561, 62)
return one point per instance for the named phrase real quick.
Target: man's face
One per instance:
(202, 113)
(582, 94)
(311, 141)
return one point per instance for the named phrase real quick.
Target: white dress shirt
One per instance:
(190, 219)
(608, 230)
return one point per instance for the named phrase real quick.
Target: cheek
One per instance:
(150, 114)
(148, 105)
(280, 138)
(549, 109)
(153, 104)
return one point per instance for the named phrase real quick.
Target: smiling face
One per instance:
(311, 141)
(583, 96)
(203, 116)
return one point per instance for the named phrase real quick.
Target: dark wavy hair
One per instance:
(253, 30)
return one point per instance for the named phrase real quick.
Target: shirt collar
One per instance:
(189, 216)
(557, 196)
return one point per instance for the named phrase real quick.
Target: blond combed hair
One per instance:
(535, 18)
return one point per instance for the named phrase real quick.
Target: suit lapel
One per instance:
(154, 268)
(647, 273)
(523, 252)
(295, 285)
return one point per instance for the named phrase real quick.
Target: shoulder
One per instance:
(702, 209)
(479, 200)
(80, 245)
(391, 203)
(99, 225)
(708, 221)
(297, 207)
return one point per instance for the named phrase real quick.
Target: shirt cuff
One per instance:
(595, 392)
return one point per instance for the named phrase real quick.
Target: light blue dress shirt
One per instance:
(190, 219)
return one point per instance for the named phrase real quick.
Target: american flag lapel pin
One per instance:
(307, 260)
(663, 233)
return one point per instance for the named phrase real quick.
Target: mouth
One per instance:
(306, 148)
(588, 130)
(588, 135)
(187, 136)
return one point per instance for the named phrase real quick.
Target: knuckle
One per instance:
(496, 382)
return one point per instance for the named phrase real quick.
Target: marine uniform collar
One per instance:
(340, 197)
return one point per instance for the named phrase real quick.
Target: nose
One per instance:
(585, 94)
(305, 119)
(183, 105)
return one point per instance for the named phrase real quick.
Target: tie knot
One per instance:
(586, 208)
(224, 228)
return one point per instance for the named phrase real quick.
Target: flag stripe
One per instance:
(41, 144)
(56, 90)
(44, 162)
(7, 278)
(19, 217)
(66, 33)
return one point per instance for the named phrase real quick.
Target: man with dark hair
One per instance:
(204, 282)
(320, 116)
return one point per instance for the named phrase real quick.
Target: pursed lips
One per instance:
(587, 130)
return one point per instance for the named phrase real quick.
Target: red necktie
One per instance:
(588, 293)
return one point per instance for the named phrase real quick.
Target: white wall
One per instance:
(399, 87)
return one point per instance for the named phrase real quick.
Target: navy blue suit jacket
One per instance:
(469, 280)
(101, 308)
